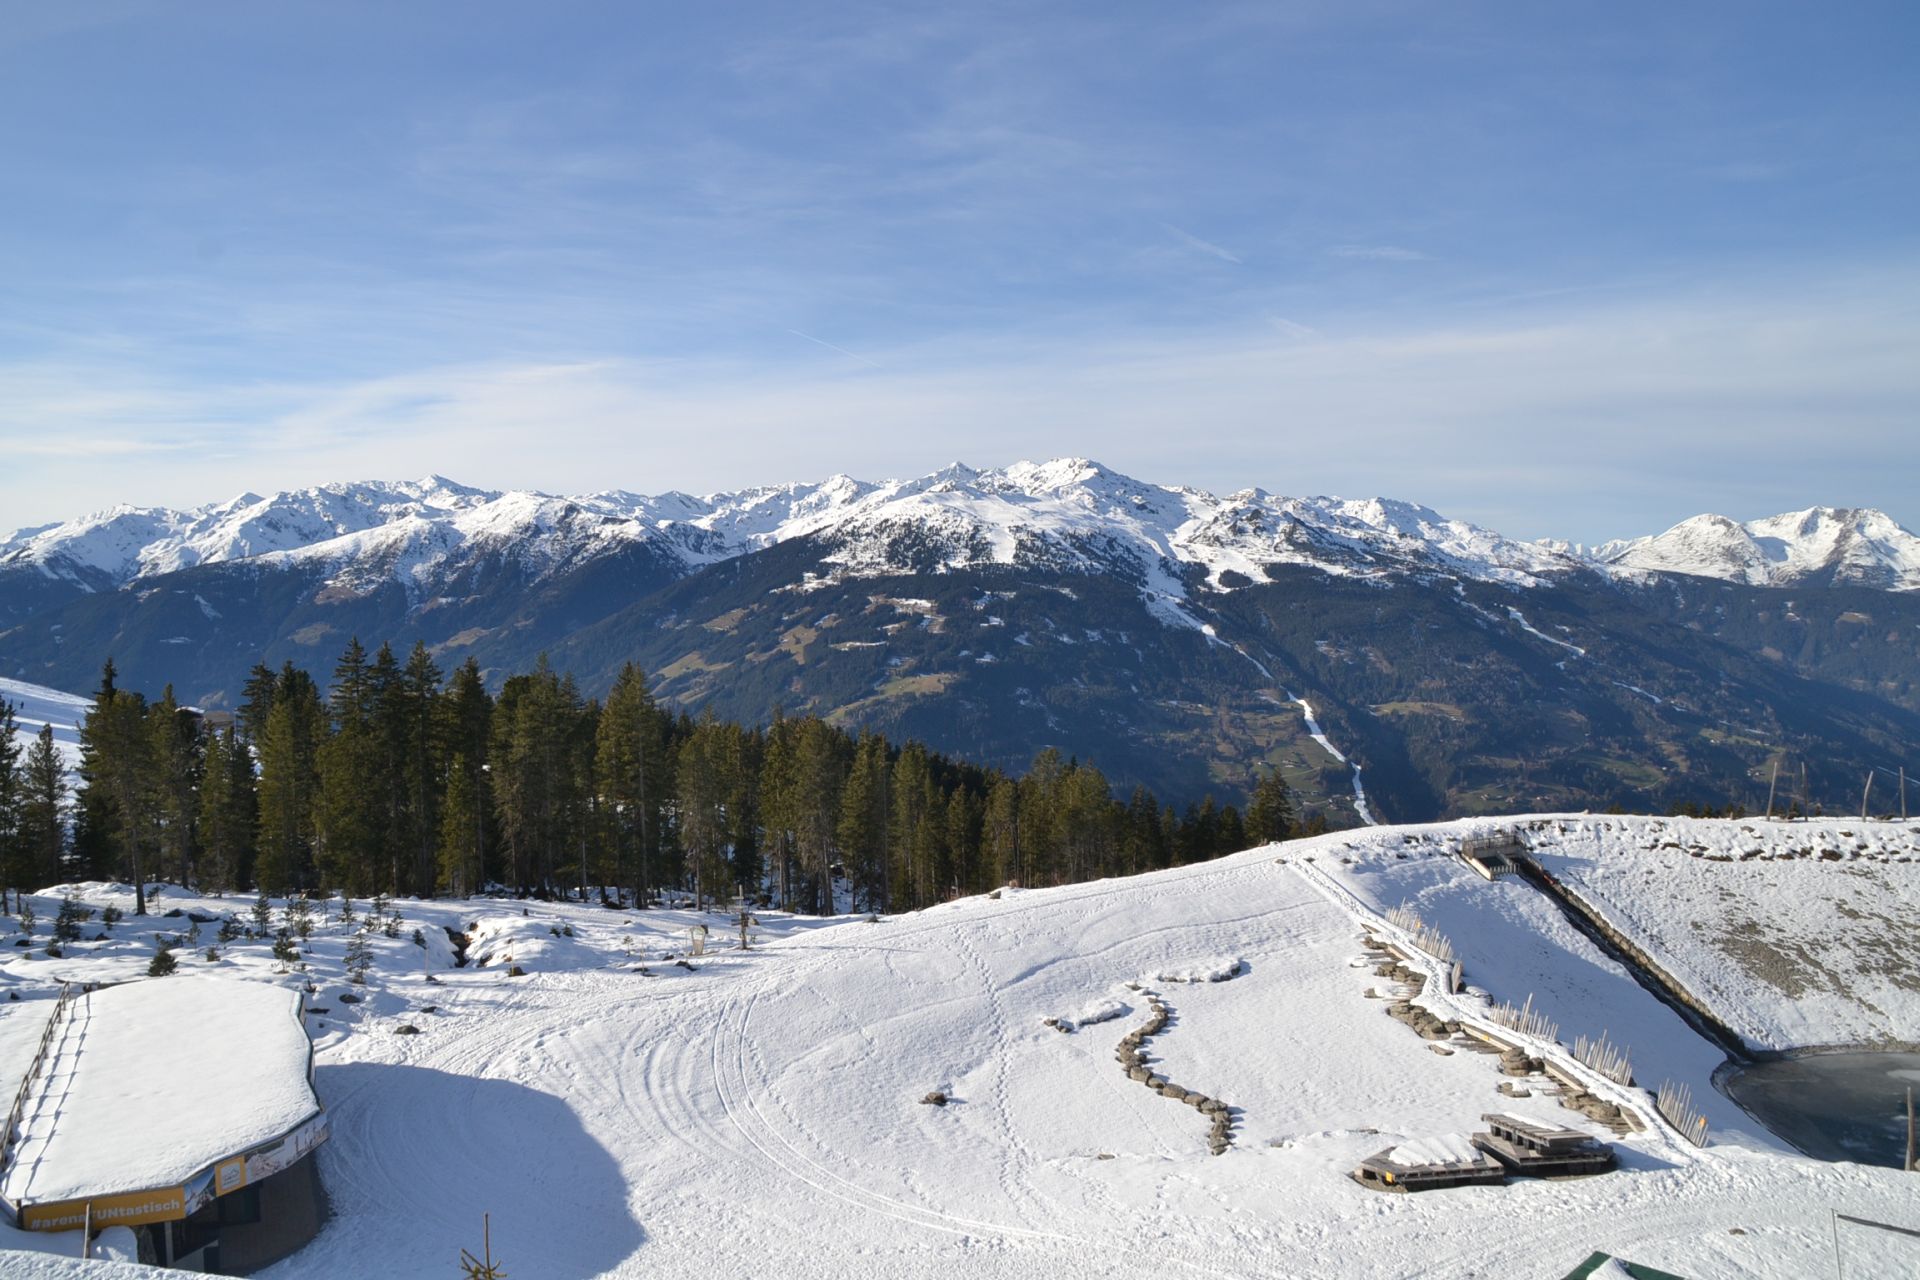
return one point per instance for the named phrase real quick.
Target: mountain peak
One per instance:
(1836, 546)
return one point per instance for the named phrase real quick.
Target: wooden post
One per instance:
(1772, 782)
(86, 1228)
(1865, 794)
(1911, 1166)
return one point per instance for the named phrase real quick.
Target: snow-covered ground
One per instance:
(35, 706)
(760, 1112)
(1796, 934)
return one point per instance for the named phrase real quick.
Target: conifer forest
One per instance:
(396, 778)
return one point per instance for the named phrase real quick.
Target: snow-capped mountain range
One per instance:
(1822, 546)
(1068, 514)
(1179, 637)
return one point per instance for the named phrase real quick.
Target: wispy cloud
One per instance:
(1204, 246)
(834, 346)
(1480, 415)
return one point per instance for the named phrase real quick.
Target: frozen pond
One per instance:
(1832, 1106)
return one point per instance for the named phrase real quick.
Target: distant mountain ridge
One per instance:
(1071, 513)
(1821, 546)
(1174, 636)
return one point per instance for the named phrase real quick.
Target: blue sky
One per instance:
(1564, 271)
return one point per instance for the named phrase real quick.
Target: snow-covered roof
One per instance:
(150, 1083)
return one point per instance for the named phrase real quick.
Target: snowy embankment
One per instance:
(1795, 934)
(618, 1113)
(35, 706)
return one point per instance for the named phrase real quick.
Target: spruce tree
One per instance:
(465, 712)
(256, 702)
(862, 827)
(119, 784)
(40, 848)
(352, 816)
(700, 804)
(359, 958)
(415, 706)
(177, 757)
(227, 812)
(1270, 814)
(819, 773)
(289, 783)
(13, 793)
(66, 925)
(461, 867)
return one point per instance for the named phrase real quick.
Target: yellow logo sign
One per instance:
(129, 1210)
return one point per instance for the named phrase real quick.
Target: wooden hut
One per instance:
(1528, 1148)
(1429, 1164)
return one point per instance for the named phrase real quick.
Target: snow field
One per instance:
(761, 1114)
(34, 706)
(1797, 934)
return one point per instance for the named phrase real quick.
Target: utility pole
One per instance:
(1865, 794)
(1771, 784)
(1903, 793)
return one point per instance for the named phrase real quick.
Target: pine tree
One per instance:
(1000, 832)
(963, 837)
(177, 765)
(359, 958)
(779, 802)
(911, 875)
(466, 731)
(352, 821)
(534, 754)
(628, 770)
(118, 779)
(163, 962)
(40, 848)
(256, 702)
(66, 925)
(1270, 814)
(461, 868)
(289, 783)
(13, 792)
(862, 826)
(228, 812)
(416, 703)
(819, 772)
(700, 804)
